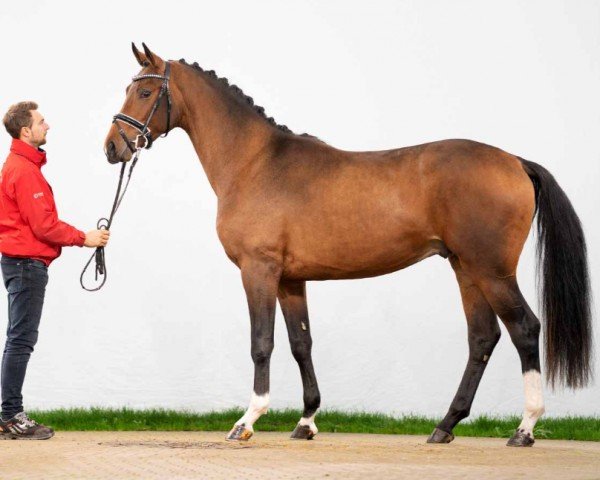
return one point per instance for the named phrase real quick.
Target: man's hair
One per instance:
(19, 116)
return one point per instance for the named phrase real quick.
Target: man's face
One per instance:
(36, 134)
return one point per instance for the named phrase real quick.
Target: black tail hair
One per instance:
(564, 280)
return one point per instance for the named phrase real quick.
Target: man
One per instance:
(31, 237)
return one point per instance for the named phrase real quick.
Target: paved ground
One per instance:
(206, 455)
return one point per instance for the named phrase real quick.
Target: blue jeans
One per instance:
(26, 280)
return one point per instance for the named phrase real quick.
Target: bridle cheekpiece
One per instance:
(144, 138)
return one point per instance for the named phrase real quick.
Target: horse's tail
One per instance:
(564, 280)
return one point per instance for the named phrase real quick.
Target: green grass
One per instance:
(564, 428)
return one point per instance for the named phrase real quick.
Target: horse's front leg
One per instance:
(292, 298)
(260, 279)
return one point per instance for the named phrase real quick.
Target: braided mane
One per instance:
(237, 91)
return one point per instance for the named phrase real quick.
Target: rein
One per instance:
(142, 141)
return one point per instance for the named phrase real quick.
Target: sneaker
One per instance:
(21, 427)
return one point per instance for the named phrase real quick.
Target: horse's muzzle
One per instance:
(113, 156)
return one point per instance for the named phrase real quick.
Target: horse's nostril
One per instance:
(111, 152)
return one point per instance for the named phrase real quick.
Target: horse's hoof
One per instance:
(439, 436)
(240, 433)
(521, 439)
(303, 432)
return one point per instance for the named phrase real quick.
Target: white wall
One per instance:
(171, 329)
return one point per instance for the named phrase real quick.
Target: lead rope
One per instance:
(104, 224)
(144, 134)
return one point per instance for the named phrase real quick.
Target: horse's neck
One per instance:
(225, 136)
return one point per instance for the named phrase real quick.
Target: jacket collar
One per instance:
(35, 155)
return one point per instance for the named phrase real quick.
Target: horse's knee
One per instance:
(261, 351)
(301, 348)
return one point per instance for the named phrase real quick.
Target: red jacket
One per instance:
(29, 224)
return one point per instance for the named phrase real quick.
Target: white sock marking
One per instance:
(534, 400)
(310, 421)
(259, 404)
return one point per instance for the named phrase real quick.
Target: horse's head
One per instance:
(146, 113)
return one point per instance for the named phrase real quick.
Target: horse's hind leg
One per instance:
(524, 328)
(483, 334)
(292, 298)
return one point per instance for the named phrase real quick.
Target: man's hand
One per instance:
(96, 238)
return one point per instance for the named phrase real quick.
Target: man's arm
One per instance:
(36, 205)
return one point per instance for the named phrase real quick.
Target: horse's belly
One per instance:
(342, 260)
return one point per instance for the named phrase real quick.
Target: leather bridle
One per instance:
(142, 141)
(144, 137)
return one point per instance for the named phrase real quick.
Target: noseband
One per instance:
(144, 138)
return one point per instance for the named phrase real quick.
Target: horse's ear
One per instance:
(138, 55)
(149, 55)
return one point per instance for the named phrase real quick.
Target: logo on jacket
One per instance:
(38, 195)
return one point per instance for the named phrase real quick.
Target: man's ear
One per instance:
(138, 56)
(25, 132)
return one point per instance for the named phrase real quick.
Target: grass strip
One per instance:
(127, 419)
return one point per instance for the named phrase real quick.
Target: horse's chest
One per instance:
(245, 235)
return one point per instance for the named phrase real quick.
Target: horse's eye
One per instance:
(145, 93)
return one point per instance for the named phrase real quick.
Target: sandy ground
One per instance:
(206, 455)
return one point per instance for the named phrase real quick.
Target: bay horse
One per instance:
(292, 208)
